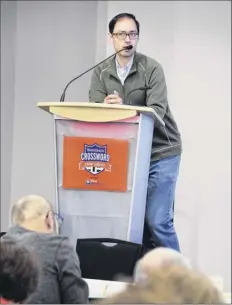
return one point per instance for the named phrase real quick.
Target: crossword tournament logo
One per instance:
(95, 159)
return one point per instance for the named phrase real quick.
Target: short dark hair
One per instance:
(120, 16)
(19, 272)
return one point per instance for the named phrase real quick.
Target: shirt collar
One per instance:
(128, 66)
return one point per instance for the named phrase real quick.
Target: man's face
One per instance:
(120, 39)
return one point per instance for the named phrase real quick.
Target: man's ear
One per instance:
(48, 221)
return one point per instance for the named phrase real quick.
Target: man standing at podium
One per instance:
(112, 82)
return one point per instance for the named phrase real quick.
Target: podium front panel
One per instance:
(96, 213)
(86, 213)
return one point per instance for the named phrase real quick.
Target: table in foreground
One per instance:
(99, 289)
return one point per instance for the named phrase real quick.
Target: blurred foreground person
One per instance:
(171, 284)
(156, 258)
(18, 273)
(35, 225)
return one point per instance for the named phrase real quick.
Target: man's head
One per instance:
(19, 272)
(124, 31)
(35, 213)
(158, 258)
(170, 284)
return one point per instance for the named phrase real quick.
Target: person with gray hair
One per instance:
(170, 284)
(158, 258)
(36, 226)
(35, 213)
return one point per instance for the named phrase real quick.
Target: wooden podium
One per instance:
(102, 157)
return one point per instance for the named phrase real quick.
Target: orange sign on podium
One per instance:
(95, 163)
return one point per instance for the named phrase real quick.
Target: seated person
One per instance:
(35, 225)
(156, 258)
(18, 273)
(170, 284)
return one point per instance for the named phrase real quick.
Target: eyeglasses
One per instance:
(123, 35)
(59, 218)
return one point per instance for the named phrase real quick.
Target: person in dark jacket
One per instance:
(115, 82)
(35, 226)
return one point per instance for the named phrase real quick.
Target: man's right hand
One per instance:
(113, 99)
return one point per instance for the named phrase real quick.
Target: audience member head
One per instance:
(170, 284)
(159, 257)
(36, 214)
(18, 272)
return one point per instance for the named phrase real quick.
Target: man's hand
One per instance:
(113, 99)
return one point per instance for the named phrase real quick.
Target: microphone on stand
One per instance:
(63, 94)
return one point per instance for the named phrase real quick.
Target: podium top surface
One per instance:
(96, 112)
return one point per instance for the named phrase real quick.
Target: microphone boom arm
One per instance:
(63, 94)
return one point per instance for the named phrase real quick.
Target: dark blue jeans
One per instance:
(160, 199)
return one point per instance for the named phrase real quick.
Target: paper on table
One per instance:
(101, 289)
